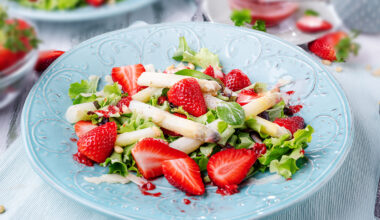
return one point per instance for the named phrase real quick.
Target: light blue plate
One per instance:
(80, 14)
(265, 58)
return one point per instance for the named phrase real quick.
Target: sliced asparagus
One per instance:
(186, 144)
(128, 138)
(163, 80)
(261, 104)
(271, 128)
(145, 94)
(211, 101)
(78, 112)
(171, 122)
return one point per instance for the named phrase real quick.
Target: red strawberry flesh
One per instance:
(46, 58)
(312, 24)
(246, 96)
(228, 168)
(184, 173)
(127, 77)
(292, 123)
(149, 153)
(236, 80)
(82, 127)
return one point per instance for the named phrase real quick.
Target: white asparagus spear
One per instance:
(186, 145)
(145, 94)
(271, 128)
(261, 104)
(163, 80)
(171, 122)
(128, 138)
(211, 101)
(78, 112)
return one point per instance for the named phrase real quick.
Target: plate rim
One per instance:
(341, 92)
(66, 16)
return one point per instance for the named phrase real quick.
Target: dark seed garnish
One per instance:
(96, 104)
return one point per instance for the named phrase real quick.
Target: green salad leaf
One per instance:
(231, 112)
(182, 48)
(194, 73)
(77, 90)
(277, 111)
(116, 164)
(241, 17)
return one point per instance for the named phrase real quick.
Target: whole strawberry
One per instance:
(236, 80)
(334, 46)
(98, 143)
(45, 58)
(292, 123)
(188, 94)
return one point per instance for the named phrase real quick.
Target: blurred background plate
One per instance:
(80, 14)
(265, 58)
(219, 11)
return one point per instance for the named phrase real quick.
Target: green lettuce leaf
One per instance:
(85, 86)
(252, 124)
(182, 48)
(231, 112)
(287, 165)
(116, 164)
(277, 111)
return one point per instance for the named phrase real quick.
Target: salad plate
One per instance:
(79, 14)
(219, 11)
(50, 139)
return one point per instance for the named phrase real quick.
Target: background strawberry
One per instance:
(292, 123)
(335, 46)
(98, 143)
(312, 24)
(149, 153)
(127, 77)
(228, 168)
(236, 80)
(184, 173)
(188, 94)
(95, 3)
(45, 58)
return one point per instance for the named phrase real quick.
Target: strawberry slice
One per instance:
(124, 103)
(98, 143)
(246, 96)
(188, 94)
(45, 58)
(82, 127)
(172, 133)
(312, 24)
(95, 3)
(292, 123)
(228, 168)
(149, 153)
(215, 73)
(184, 173)
(127, 77)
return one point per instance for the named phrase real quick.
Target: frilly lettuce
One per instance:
(203, 58)
(132, 122)
(287, 165)
(77, 90)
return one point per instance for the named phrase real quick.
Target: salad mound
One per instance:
(53, 5)
(191, 123)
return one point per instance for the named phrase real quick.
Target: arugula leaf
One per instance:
(231, 112)
(241, 17)
(311, 12)
(260, 25)
(182, 48)
(194, 73)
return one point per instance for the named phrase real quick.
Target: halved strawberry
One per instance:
(228, 168)
(292, 123)
(236, 80)
(188, 94)
(82, 127)
(184, 173)
(172, 133)
(312, 24)
(149, 153)
(246, 96)
(45, 58)
(215, 73)
(98, 143)
(127, 77)
(95, 3)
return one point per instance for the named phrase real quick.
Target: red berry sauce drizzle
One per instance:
(147, 187)
(80, 158)
(294, 108)
(73, 139)
(186, 201)
(227, 190)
